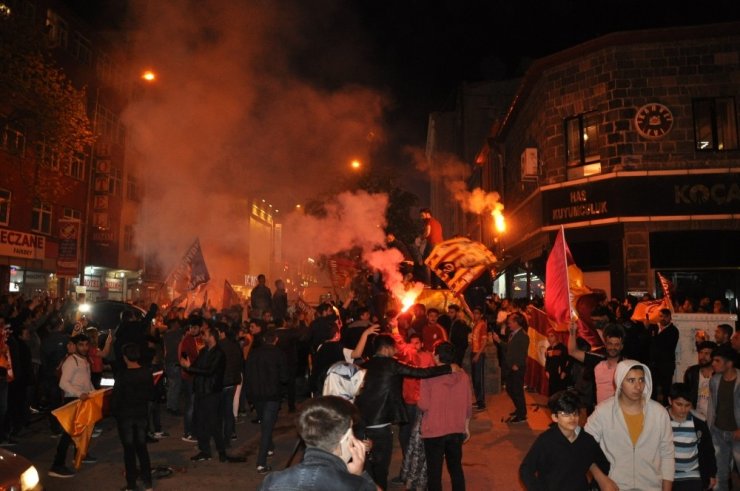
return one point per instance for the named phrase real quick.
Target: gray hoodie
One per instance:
(634, 467)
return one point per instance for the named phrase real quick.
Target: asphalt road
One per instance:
(491, 458)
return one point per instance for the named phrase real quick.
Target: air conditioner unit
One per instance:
(529, 163)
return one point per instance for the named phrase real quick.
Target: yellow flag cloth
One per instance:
(78, 419)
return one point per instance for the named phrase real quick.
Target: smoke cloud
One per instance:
(227, 121)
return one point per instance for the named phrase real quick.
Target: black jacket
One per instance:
(691, 378)
(380, 400)
(707, 459)
(132, 392)
(554, 463)
(266, 374)
(208, 370)
(132, 332)
(234, 362)
(319, 471)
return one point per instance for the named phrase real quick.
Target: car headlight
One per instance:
(29, 479)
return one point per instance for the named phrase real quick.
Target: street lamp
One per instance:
(149, 76)
(356, 164)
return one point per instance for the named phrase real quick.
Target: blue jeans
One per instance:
(726, 449)
(174, 386)
(267, 411)
(132, 432)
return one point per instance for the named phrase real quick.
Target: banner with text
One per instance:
(68, 260)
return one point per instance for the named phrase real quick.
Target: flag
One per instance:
(460, 261)
(667, 286)
(78, 419)
(190, 273)
(650, 310)
(558, 295)
(539, 323)
(230, 296)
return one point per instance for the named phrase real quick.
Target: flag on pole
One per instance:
(666, 286)
(648, 312)
(460, 261)
(190, 273)
(78, 419)
(230, 296)
(558, 295)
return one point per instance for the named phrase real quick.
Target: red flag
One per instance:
(230, 296)
(557, 287)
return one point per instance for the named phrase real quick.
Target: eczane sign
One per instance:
(21, 244)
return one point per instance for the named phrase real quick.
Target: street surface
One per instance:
(491, 458)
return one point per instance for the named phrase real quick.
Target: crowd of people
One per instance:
(361, 374)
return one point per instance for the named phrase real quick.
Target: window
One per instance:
(132, 188)
(581, 145)
(715, 124)
(48, 156)
(109, 126)
(41, 218)
(4, 206)
(72, 214)
(81, 49)
(103, 67)
(13, 140)
(114, 181)
(56, 29)
(76, 167)
(128, 238)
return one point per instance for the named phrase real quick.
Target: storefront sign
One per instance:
(114, 284)
(92, 283)
(671, 195)
(69, 246)
(21, 244)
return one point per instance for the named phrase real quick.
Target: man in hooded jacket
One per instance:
(635, 432)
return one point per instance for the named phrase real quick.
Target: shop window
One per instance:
(4, 206)
(581, 145)
(715, 124)
(13, 140)
(41, 217)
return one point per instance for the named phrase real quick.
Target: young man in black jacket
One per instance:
(266, 376)
(132, 392)
(232, 378)
(208, 371)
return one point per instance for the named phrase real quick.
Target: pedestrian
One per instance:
(723, 413)
(696, 466)
(516, 348)
(188, 349)
(266, 377)
(479, 340)
(334, 459)
(280, 302)
(445, 403)
(459, 332)
(663, 341)
(560, 458)
(76, 384)
(132, 392)
(557, 366)
(232, 378)
(634, 432)
(602, 366)
(433, 332)
(380, 401)
(208, 375)
(697, 378)
(261, 298)
(172, 338)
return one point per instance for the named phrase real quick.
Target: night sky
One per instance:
(417, 52)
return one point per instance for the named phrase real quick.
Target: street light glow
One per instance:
(149, 76)
(356, 164)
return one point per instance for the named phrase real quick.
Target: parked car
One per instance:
(17, 473)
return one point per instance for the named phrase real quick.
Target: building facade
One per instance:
(630, 143)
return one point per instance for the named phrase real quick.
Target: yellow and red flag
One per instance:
(666, 286)
(78, 419)
(648, 312)
(460, 261)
